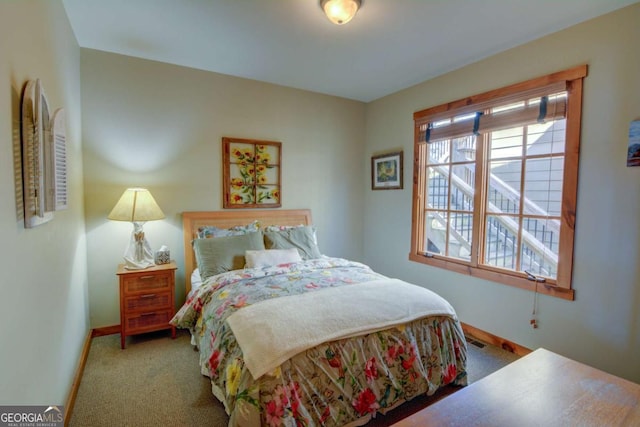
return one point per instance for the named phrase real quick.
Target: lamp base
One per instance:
(133, 265)
(138, 255)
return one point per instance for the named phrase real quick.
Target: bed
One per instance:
(289, 336)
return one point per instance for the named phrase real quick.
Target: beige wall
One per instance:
(602, 326)
(160, 126)
(44, 305)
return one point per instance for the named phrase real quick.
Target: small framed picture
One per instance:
(386, 171)
(633, 150)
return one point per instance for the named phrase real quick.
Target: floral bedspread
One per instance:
(334, 384)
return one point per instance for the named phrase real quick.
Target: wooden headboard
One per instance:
(191, 221)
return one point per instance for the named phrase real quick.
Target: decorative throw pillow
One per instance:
(215, 256)
(302, 238)
(209, 231)
(270, 257)
(288, 227)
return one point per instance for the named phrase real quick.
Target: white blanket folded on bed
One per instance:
(274, 330)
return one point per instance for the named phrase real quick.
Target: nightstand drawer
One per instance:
(148, 302)
(148, 282)
(148, 321)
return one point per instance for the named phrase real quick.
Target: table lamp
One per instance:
(137, 206)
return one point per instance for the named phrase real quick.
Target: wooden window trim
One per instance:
(572, 80)
(514, 91)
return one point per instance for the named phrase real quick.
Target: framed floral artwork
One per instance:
(386, 171)
(252, 170)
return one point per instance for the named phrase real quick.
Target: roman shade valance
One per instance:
(524, 108)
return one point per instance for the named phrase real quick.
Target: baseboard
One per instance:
(106, 330)
(479, 334)
(71, 399)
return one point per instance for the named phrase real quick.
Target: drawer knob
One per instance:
(148, 296)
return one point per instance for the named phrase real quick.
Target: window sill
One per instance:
(495, 276)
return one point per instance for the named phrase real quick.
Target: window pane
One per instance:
(500, 243)
(267, 174)
(435, 232)
(460, 233)
(464, 149)
(543, 186)
(462, 188)
(507, 107)
(438, 152)
(267, 194)
(438, 190)
(546, 138)
(242, 174)
(506, 143)
(503, 193)
(464, 117)
(267, 154)
(441, 123)
(540, 247)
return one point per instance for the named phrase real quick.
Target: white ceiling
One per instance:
(390, 44)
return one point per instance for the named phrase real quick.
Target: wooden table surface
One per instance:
(540, 389)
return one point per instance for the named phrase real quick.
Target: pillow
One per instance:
(280, 227)
(215, 256)
(269, 257)
(209, 231)
(302, 238)
(196, 280)
(288, 227)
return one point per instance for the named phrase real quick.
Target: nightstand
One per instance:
(146, 300)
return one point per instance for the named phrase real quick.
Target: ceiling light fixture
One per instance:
(340, 11)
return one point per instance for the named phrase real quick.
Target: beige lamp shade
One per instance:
(136, 205)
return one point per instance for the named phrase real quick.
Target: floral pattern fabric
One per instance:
(210, 231)
(254, 178)
(333, 384)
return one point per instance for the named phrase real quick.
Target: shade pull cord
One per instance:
(534, 312)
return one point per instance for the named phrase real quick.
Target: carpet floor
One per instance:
(157, 381)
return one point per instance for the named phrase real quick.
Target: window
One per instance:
(495, 183)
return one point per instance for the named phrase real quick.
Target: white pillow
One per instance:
(269, 257)
(196, 280)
